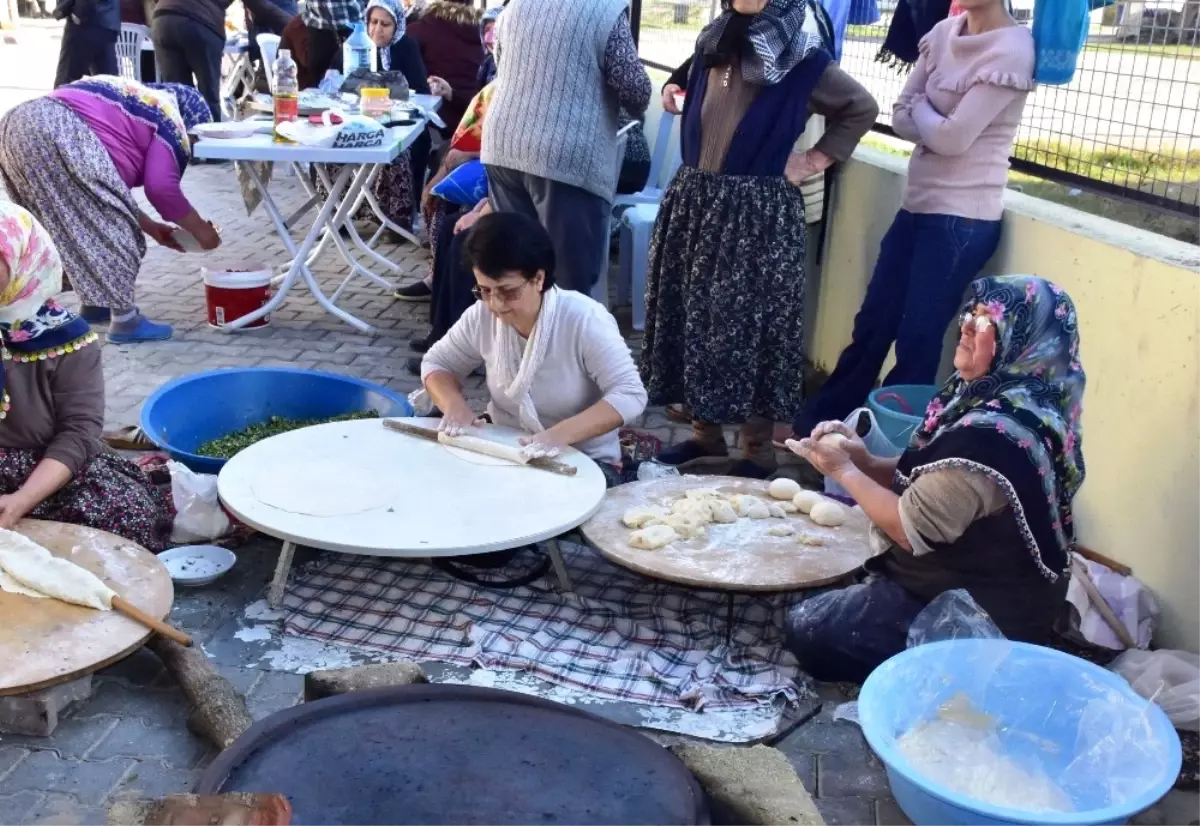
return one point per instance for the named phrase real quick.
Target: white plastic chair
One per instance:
(129, 50)
(268, 45)
(600, 291)
(655, 181)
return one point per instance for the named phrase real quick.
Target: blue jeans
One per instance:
(925, 264)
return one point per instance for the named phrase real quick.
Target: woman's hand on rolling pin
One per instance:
(544, 445)
(458, 420)
(668, 98)
(13, 508)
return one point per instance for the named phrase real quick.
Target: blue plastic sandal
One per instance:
(146, 330)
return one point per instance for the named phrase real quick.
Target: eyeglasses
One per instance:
(504, 295)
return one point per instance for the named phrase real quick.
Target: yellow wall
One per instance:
(1138, 297)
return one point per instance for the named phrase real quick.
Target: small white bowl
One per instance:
(196, 565)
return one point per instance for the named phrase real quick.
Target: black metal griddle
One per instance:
(432, 754)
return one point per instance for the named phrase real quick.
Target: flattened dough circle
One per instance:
(324, 487)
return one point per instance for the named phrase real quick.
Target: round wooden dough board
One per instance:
(44, 642)
(737, 557)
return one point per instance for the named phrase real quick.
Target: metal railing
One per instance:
(1127, 125)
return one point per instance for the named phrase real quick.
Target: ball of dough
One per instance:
(758, 510)
(686, 525)
(703, 494)
(788, 507)
(783, 488)
(638, 517)
(781, 530)
(653, 537)
(829, 514)
(809, 539)
(775, 511)
(723, 513)
(833, 440)
(805, 499)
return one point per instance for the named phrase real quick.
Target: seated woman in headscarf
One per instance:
(555, 362)
(53, 464)
(980, 500)
(73, 157)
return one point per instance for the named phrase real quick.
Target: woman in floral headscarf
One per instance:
(980, 500)
(53, 464)
(73, 157)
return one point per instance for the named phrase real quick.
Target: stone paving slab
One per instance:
(130, 738)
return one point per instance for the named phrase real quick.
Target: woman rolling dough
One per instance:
(556, 364)
(52, 462)
(980, 500)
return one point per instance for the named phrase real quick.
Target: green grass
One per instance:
(1097, 164)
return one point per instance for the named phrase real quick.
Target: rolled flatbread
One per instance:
(28, 568)
(486, 447)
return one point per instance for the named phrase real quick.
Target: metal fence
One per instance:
(1127, 125)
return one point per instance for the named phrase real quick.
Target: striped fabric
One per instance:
(617, 635)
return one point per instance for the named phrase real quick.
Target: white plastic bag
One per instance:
(875, 440)
(1130, 601)
(198, 513)
(1170, 678)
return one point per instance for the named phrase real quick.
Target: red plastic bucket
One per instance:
(231, 295)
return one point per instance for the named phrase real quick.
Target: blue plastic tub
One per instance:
(1035, 691)
(189, 411)
(900, 409)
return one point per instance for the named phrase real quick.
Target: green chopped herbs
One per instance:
(227, 446)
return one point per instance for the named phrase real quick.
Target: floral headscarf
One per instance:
(392, 7)
(1021, 422)
(171, 109)
(33, 326)
(770, 43)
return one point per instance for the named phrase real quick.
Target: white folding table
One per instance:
(358, 166)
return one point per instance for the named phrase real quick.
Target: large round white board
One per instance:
(436, 504)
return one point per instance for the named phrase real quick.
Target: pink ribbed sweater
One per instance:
(961, 107)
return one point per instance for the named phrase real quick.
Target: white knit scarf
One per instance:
(516, 368)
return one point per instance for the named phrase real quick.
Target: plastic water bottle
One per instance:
(358, 52)
(287, 92)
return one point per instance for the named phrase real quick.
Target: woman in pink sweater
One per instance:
(961, 107)
(73, 157)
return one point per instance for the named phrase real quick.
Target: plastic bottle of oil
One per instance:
(287, 92)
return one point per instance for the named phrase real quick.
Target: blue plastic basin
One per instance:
(900, 409)
(1035, 691)
(189, 411)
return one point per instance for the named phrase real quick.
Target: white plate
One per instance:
(195, 565)
(225, 130)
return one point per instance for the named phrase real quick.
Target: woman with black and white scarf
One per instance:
(726, 280)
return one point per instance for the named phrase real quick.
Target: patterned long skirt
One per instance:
(725, 298)
(108, 493)
(54, 166)
(393, 191)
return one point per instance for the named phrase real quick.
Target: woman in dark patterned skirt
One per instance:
(725, 288)
(52, 462)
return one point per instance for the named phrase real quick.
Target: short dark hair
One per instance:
(508, 242)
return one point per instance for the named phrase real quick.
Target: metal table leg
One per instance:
(282, 568)
(560, 568)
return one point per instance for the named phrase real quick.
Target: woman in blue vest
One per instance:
(726, 280)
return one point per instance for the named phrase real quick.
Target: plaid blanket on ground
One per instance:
(617, 635)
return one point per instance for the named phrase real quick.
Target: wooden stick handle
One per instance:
(157, 626)
(1107, 562)
(1102, 606)
(561, 468)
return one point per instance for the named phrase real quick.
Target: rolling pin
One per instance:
(157, 626)
(561, 468)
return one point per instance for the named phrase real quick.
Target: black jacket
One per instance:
(211, 13)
